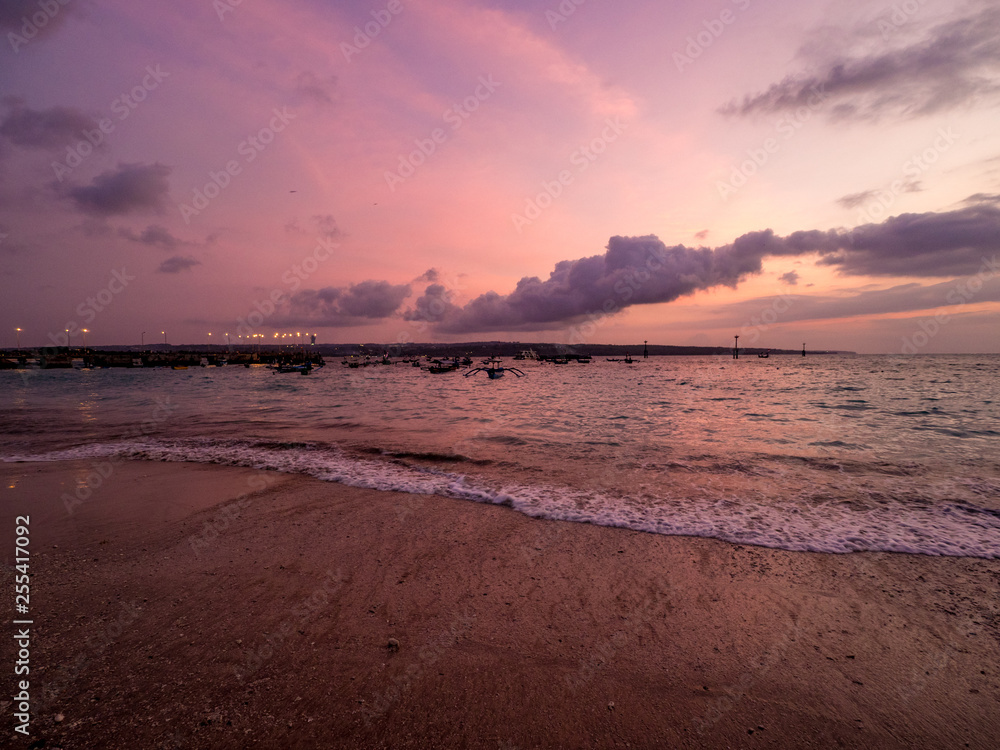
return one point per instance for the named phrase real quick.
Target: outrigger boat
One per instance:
(495, 370)
(305, 369)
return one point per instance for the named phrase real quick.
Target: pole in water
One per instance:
(803, 348)
(645, 350)
(736, 348)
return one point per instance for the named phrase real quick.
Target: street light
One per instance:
(18, 334)
(164, 336)
(142, 340)
(85, 332)
(69, 339)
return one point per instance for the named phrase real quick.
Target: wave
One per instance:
(959, 529)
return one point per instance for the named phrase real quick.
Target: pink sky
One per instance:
(460, 174)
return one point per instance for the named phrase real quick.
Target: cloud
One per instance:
(634, 270)
(357, 304)
(643, 270)
(52, 128)
(131, 188)
(433, 306)
(853, 200)
(326, 226)
(955, 64)
(154, 235)
(319, 90)
(15, 15)
(791, 278)
(178, 263)
(951, 295)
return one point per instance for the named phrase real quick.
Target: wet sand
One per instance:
(184, 605)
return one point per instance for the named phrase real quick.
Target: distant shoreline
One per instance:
(471, 348)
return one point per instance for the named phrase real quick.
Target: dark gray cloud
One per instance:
(178, 263)
(53, 128)
(357, 304)
(791, 278)
(954, 64)
(643, 270)
(983, 198)
(22, 17)
(131, 188)
(154, 235)
(433, 306)
(634, 270)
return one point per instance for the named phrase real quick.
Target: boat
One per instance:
(526, 354)
(764, 354)
(305, 369)
(494, 370)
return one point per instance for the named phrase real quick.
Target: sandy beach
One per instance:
(185, 605)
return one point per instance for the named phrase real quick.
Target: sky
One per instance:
(676, 171)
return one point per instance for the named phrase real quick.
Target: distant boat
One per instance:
(526, 354)
(764, 354)
(305, 369)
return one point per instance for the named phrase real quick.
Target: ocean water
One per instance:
(823, 453)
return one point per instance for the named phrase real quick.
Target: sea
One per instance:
(825, 453)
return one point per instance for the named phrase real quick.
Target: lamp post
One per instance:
(142, 340)
(18, 334)
(69, 339)
(164, 336)
(85, 332)
(736, 348)
(210, 340)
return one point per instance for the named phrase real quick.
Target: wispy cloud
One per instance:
(178, 263)
(955, 64)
